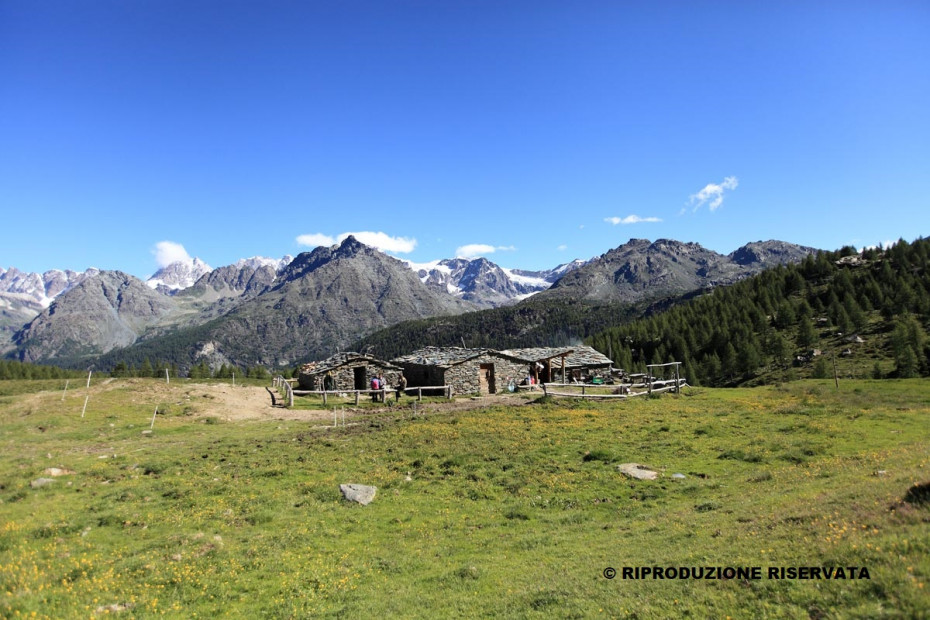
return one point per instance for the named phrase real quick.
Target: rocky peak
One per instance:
(479, 280)
(110, 309)
(246, 277)
(640, 269)
(256, 262)
(308, 262)
(41, 289)
(770, 253)
(178, 276)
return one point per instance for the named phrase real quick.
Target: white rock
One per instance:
(358, 493)
(640, 472)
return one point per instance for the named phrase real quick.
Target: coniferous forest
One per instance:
(14, 369)
(867, 312)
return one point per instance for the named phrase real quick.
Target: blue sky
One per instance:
(537, 131)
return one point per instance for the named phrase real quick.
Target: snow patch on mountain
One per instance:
(530, 281)
(561, 270)
(255, 262)
(178, 276)
(39, 289)
(480, 281)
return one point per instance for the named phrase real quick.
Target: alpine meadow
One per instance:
(513, 510)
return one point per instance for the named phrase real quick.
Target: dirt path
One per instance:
(235, 403)
(255, 403)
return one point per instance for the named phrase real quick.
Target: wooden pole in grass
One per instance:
(152, 425)
(86, 398)
(836, 379)
(167, 380)
(66, 390)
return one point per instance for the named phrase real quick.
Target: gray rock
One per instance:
(41, 482)
(640, 472)
(679, 476)
(358, 493)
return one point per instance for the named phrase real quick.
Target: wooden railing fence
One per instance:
(283, 385)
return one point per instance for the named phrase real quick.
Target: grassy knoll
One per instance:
(507, 512)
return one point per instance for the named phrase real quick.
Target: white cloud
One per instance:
(712, 194)
(382, 241)
(378, 240)
(315, 239)
(167, 252)
(631, 219)
(562, 248)
(473, 250)
(884, 245)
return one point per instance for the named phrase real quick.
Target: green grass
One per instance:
(507, 512)
(365, 402)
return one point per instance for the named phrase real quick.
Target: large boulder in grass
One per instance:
(358, 493)
(640, 472)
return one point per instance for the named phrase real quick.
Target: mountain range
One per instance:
(278, 312)
(485, 284)
(641, 269)
(23, 295)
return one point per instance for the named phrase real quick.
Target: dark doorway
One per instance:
(361, 378)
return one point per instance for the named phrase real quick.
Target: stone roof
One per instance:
(445, 357)
(587, 356)
(440, 356)
(536, 354)
(341, 359)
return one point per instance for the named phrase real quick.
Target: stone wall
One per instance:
(465, 377)
(344, 377)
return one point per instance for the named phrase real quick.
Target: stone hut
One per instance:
(468, 371)
(587, 362)
(543, 364)
(349, 371)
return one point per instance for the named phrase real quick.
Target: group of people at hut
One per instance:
(379, 387)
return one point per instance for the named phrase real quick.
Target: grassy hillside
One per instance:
(495, 512)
